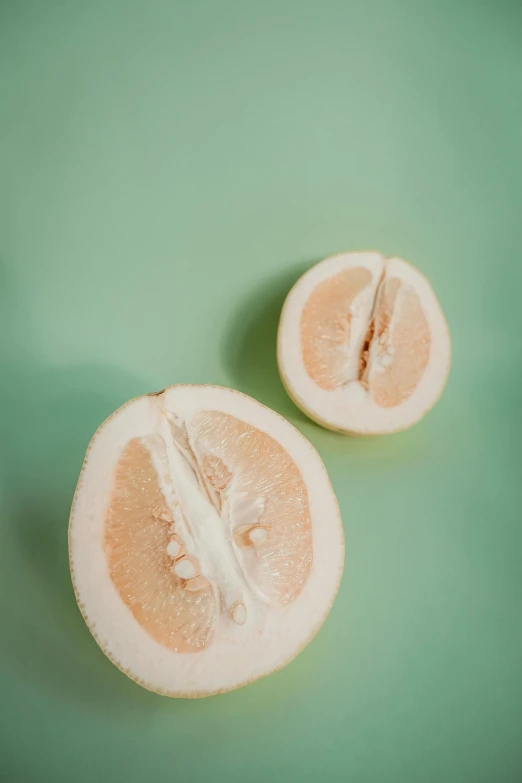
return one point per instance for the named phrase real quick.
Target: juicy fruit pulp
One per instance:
(204, 532)
(253, 515)
(363, 345)
(388, 361)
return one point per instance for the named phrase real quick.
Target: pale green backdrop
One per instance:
(167, 170)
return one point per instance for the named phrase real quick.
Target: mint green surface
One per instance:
(167, 170)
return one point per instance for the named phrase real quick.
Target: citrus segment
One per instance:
(326, 326)
(261, 470)
(401, 347)
(139, 548)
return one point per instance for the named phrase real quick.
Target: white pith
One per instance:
(203, 538)
(351, 408)
(254, 638)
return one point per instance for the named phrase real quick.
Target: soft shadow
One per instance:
(248, 348)
(47, 417)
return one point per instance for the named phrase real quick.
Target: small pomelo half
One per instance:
(205, 541)
(363, 345)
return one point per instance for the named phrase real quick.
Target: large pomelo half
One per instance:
(363, 345)
(205, 540)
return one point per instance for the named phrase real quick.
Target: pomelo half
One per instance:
(205, 541)
(363, 345)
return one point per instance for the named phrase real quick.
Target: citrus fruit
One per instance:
(205, 541)
(363, 345)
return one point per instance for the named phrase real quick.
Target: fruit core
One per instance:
(208, 526)
(372, 333)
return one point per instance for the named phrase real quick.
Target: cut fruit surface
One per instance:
(363, 345)
(205, 541)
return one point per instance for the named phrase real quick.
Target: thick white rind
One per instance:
(350, 409)
(226, 664)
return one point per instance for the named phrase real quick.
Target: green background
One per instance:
(167, 170)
